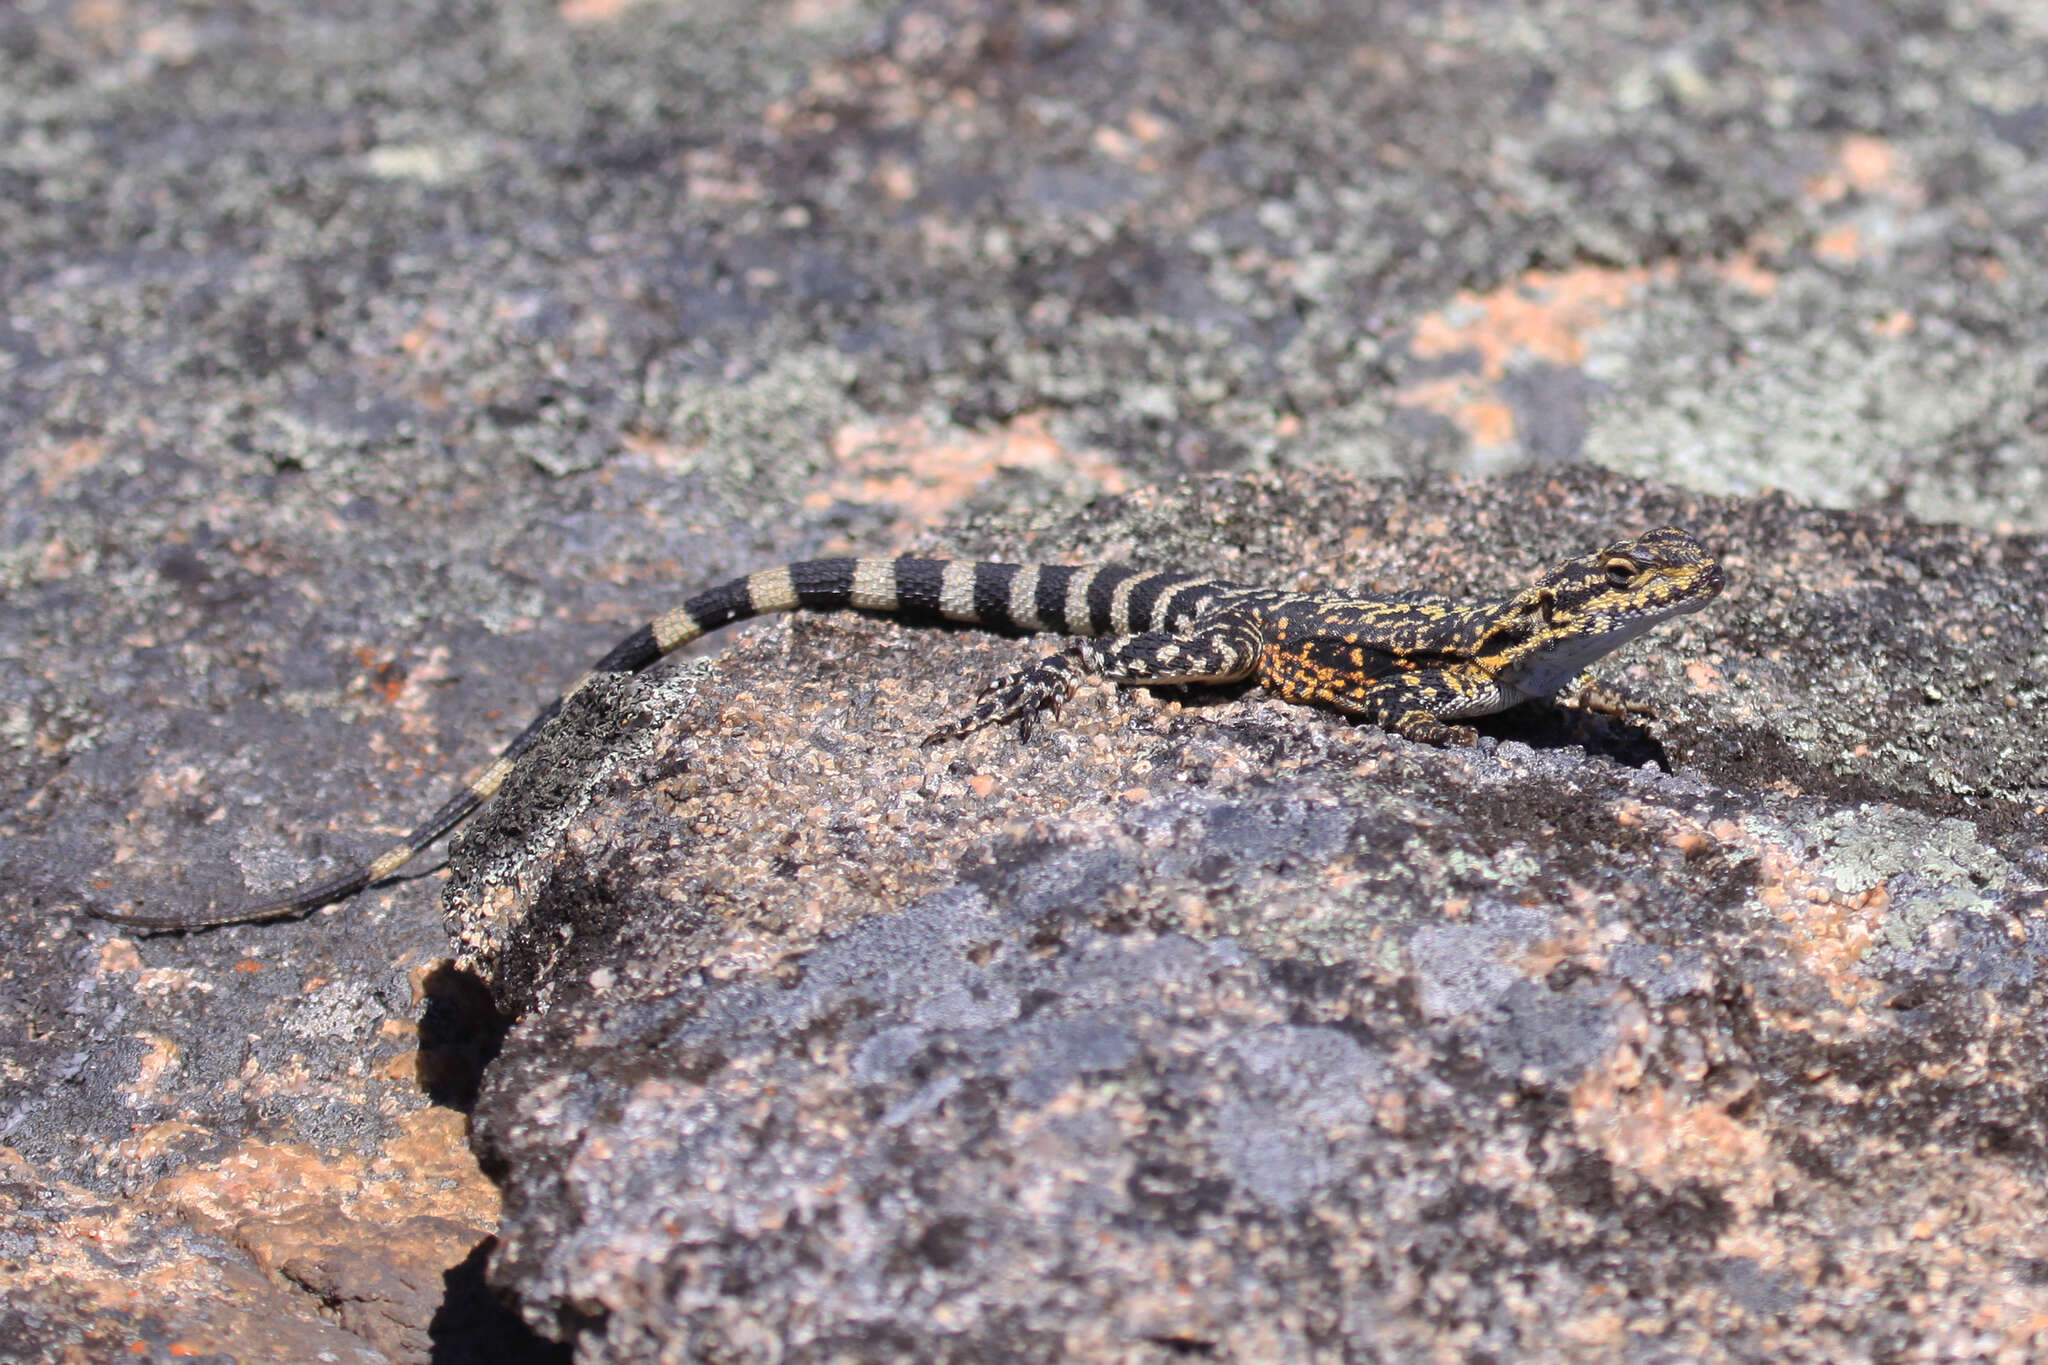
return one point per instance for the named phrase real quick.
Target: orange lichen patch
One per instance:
(1133, 143)
(1603, 1329)
(897, 179)
(1702, 676)
(667, 456)
(408, 689)
(164, 1139)
(1870, 163)
(58, 560)
(164, 980)
(387, 676)
(1147, 126)
(109, 1260)
(375, 1235)
(927, 477)
(56, 466)
(1842, 245)
(274, 1179)
(105, 22)
(715, 177)
(1895, 324)
(162, 1058)
(1487, 421)
(1868, 166)
(1826, 930)
(421, 1203)
(1545, 316)
(1665, 1136)
(432, 1150)
(1964, 1224)
(161, 787)
(1747, 272)
(1829, 932)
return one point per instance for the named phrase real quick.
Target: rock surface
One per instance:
(1226, 1028)
(365, 369)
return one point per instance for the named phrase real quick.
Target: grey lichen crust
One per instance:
(1204, 1024)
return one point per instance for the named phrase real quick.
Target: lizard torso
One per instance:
(1410, 664)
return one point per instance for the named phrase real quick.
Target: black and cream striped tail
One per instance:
(1110, 599)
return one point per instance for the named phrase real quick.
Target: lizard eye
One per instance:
(1620, 572)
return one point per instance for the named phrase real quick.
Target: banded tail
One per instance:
(1111, 599)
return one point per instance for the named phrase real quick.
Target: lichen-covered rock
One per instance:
(1205, 1024)
(363, 367)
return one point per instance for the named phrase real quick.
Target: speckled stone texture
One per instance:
(368, 366)
(1214, 1027)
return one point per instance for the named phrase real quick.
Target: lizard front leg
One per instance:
(1414, 705)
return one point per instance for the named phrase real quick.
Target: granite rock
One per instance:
(1205, 1025)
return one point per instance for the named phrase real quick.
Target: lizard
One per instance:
(1412, 663)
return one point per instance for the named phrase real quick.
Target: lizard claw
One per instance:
(1603, 699)
(1022, 696)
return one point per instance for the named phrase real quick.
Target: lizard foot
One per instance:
(1424, 728)
(1022, 696)
(1604, 699)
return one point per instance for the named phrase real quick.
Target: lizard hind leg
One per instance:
(1221, 650)
(1020, 696)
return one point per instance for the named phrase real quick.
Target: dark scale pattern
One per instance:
(822, 583)
(1102, 594)
(1146, 596)
(720, 606)
(1052, 596)
(631, 654)
(992, 595)
(1410, 664)
(918, 585)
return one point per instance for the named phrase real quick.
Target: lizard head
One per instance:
(1625, 588)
